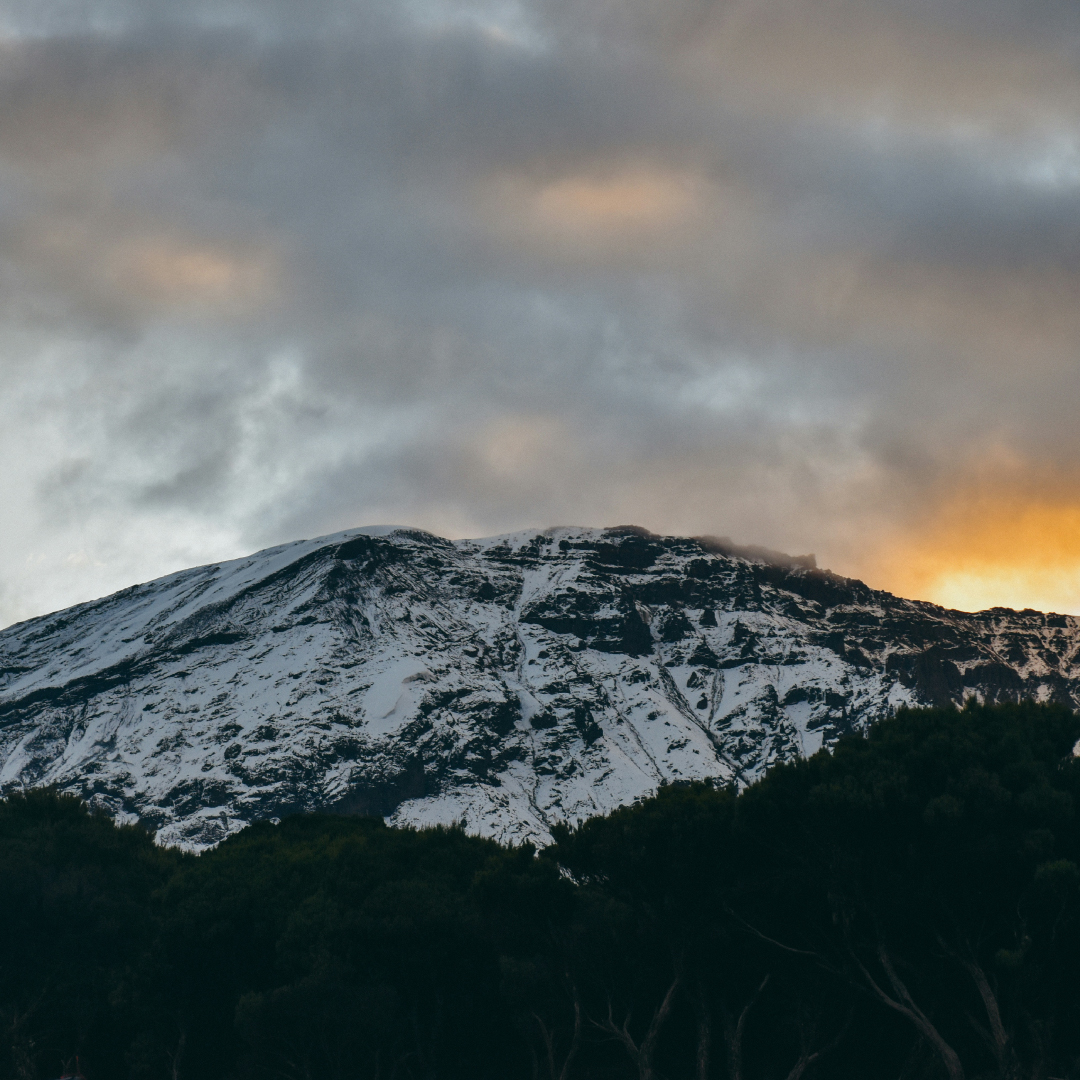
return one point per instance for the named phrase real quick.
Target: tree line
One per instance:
(907, 905)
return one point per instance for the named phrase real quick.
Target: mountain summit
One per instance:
(509, 683)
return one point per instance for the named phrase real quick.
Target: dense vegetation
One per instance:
(907, 906)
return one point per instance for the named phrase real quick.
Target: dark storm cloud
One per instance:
(796, 272)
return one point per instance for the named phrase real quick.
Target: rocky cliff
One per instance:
(509, 682)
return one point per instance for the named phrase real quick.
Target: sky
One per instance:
(804, 273)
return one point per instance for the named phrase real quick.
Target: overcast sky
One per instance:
(800, 272)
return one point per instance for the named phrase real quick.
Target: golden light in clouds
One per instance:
(170, 271)
(155, 270)
(618, 202)
(591, 211)
(513, 445)
(989, 551)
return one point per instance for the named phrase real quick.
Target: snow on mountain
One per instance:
(510, 682)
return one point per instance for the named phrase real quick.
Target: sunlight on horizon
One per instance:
(988, 552)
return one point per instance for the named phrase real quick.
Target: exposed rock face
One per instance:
(512, 682)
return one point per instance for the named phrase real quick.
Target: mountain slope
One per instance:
(511, 682)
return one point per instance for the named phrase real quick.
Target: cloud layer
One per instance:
(803, 273)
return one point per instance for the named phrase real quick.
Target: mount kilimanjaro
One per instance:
(506, 683)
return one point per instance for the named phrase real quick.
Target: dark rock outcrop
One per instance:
(508, 682)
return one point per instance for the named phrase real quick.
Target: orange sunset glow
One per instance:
(985, 552)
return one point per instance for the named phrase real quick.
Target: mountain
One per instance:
(510, 682)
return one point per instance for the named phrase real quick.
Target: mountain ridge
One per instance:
(510, 682)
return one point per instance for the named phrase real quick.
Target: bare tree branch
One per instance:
(704, 1033)
(556, 1071)
(734, 1032)
(997, 1038)
(772, 941)
(642, 1055)
(904, 1004)
(808, 1057)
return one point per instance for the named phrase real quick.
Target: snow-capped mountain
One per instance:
(511, 682)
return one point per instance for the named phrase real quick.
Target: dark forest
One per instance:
(906, 905)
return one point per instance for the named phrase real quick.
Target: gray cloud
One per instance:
(806, 274)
